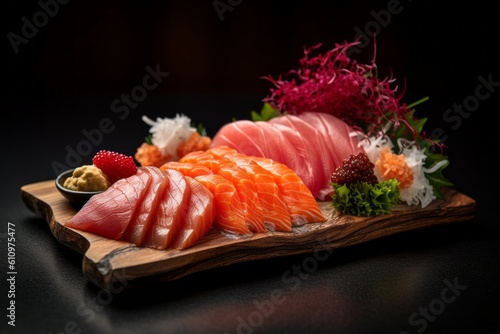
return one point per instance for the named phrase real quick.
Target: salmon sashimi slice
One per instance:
(222, 151)
(229, 217)
(203, 158)
(187, 168)
(146, 210)
(170, 213)
(108, 214)
(302, 205)
(245, 186)
(247, 190)
(274, 209)
(199, 217)
(194, 156)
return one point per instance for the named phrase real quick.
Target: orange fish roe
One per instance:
(150, 155)
(393, 166)
(195, 142)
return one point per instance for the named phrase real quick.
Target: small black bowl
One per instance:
(76, 197)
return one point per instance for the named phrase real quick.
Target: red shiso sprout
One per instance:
(335, 84)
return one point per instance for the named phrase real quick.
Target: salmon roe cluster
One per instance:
(394, 166)
(149, 155)
(195, 142)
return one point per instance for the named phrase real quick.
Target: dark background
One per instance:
(65, 78)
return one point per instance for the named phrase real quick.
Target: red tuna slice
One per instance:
(229, 217)
(170, 213)
(187, 168)
(109, 213)
(146, 210)
(321, 155)
(199, 217)
(337, 132)
(275, 211)
(277, 146)
(300, 202)
(244, 136)
(301, 159)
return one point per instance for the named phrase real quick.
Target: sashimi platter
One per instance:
(333, 158)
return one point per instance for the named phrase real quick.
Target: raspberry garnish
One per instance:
(114, 165)
(356, 168)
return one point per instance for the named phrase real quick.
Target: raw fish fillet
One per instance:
(300, 202)
(108, 214)
(244, 136)
(318, 157)
(199, 217)
(274, 209)
(336, 131)
(249, 195)
(146, 210)
(302, 206)
(229, 210)
(244, 184)
(313, 148)
(170, 213)
(187, 168)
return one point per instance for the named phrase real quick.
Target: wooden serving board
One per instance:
(109, 262)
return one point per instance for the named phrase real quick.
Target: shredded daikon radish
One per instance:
(168, 133)
(420, 191)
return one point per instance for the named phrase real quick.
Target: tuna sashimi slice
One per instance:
(146, 210)
(229, 217)
(170, 213)
(321, 159)
(302, 158)
(337, 132)
(300, 202)
(244, 136)
(199, 217)
(108, 214)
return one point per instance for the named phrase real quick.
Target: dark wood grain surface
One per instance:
(105, 260)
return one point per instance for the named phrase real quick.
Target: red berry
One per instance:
(114, 165)
(356, 168)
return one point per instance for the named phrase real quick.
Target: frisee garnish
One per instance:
(365, 199)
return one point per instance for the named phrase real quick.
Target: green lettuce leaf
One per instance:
(267, 112)
(365, 199)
